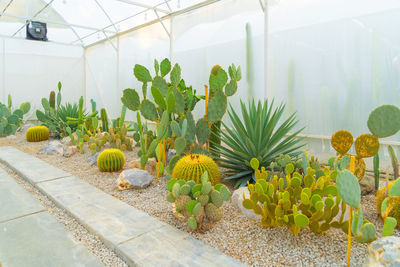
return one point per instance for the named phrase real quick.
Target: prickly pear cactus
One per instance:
(199, 204)
(284, 202)
(384, 121)
(342, 141)
(367, 145)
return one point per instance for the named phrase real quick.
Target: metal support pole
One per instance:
(266, 44)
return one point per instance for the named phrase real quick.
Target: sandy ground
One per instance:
(235, 235)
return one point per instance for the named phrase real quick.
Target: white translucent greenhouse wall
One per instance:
(109, 72)
(31, 69)
(216, 34)
(333, 62)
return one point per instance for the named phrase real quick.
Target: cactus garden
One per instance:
(240, 178)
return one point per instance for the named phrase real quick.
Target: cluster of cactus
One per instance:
(37, 134)
(119, 138)
(172, 109)
(87, 124)
(296, 201)
(279, 163)
(111, 160)
(366, 145)
(388, 201)
(192, 166)
(218, 92)
(11, 120)
(197, 202)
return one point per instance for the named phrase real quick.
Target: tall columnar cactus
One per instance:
(198, 203)
(37, 134)
(192, 166)
(395, 162)
(111, 160)
(104, 120)
(52, 99)
(376, 171)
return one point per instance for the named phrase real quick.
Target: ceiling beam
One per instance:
(54, 22)
(144, 6)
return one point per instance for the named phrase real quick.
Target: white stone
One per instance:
(93, 159)
(54, 147)
(236, 200)
(69, 151)
(66, 141)
(384, 252)
(134, 178)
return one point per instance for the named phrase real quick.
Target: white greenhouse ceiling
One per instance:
(83, 22)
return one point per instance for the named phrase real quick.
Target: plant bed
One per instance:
(235, 235)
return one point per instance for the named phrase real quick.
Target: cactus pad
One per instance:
(37, 134)
(111, 160)
(342, 141)
(191, 167)
(367, 145)
(384, 121)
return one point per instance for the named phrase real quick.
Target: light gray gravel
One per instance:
(79, 233)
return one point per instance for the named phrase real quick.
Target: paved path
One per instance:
(30, 236)
(141, 240)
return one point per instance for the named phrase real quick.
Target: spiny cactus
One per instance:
(37, 134)
(192, 166)
(52, 99)
(111, 160)
(197, 202)
(104, 120)
(11, 120)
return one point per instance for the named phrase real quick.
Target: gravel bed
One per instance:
(79, 233)
(235, 235)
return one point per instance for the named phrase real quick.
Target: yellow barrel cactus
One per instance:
(111, 160)
(37, 134)
(192, 166)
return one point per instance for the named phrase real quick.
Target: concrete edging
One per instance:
(141, 240)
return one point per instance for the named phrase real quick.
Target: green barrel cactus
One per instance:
(111, 160)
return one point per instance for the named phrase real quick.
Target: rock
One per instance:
(25, 127)
(171, 153)
(54, 147)
(236, 200)
(384, 252)
(69, 151)
(134, 178)
(367, 185)
(93, 159)
(151, 165)
(11, 137)
(66, 141)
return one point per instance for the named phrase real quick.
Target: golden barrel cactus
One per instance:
(192, 166)
(37, 134)
(111, 160)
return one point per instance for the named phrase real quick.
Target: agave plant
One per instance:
(260, 136)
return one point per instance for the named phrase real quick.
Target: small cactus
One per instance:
(111, 160)
(52, 99)
(197, 203)
(37, 134)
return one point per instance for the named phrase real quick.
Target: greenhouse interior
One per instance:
(199, 133)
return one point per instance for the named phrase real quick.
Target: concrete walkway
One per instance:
(30, 236)
(141, 240)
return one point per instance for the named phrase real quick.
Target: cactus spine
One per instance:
(111, 160)
(37, 134)
(192, 166)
